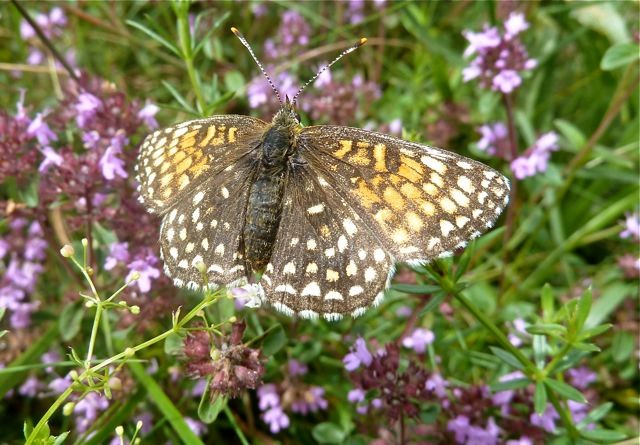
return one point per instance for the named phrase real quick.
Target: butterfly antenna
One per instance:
(360, 42)
(246, 44)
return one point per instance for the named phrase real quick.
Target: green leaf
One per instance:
(622, 346)
(510, 384)
(210, 31)
(612, 296)
(179, 98)
(506, 357)
(565, 390)
(155, 36)
(547, 300)
(208, 410)
(620, 55)
(600, 435)
(170, 412)
(416, 288)
(434, 302)
(274, 341)
(173, 344)
(540, 398)
(572, 134)
(70, 320)
(588, 347)
(595, 414)
(582, 310)
(595, 331)
(59, 440)
(327, 432)
(552, 329)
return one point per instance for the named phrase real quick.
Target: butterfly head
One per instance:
(287, 116)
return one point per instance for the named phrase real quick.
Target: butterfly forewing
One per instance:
(326, 261)
(175, 160)
(421, 202)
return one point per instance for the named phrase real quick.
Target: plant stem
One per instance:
(564, 415)
(94, 334)
(209, 299)
(235, 425)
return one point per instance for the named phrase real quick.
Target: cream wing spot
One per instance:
(378, 255)
(311, 290)
(289, 268)
(333, 295)
(351, 269)
(370, 274)
(355, 290)
(349, 226)
(198, 197)
(461, 221)
(446, 227)
(332, 275)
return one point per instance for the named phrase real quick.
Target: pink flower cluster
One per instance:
(500, 57)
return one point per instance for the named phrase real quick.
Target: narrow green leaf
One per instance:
(595, 414)
(595, 331)
(565, 390)
(210, 31)
(155, 36)
(582, 310)
(59, 440)
(157, 396)
(571, 133)
(329, 433)
(415, 288)
(546, 329)
(274, 341)
(506, 357)
(510, 384)
(622, 346)
(588, 347)
(601, 435)
(70, 321)
(179, 98)
(540, 398)
(620, 55)
(208, 409)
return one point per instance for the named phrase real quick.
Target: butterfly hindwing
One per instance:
(205, 226)
(325, 261)
(421, 202)
(175, 160)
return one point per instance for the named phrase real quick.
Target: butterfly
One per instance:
(318, 216)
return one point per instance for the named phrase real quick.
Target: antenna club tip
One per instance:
(235, 31)
(362, 41)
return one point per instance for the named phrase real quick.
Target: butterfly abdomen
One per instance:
(264, 208)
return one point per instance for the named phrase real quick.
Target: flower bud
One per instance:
(135, 310)
(129, 352)
(67, 251)
(120, 431)
(115, 383)
(68, 407)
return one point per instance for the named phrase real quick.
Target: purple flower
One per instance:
(498, 58)
(146, 270)
(323, 79)
(86, 411)
(50, 357)
(196, 426)
(359, 355)
(524, 440)
(297, 368)
(4, 248)
(356, 395)
(268, 397)
(90, 139)
(118, 253)
(515, 24)
(520, 331)
(147, 115)
(404, 311)
(276, 419)
(110, 164)
(546, 420)
(494, 137)
(460, 428)
(437, 385)
(503, 399)
(294, 29)
(57, 17)
(484, 436)
(50, 158)
(631, 227)
(395, 127)
(86, 107)
(507, 81)
(536, 158)
(355, 12)
(419, 340)
(30, 387)
(582, 377)
(312, 401)
(60, 384)
(41, 131)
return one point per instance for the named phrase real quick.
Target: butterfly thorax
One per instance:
(264, 208)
